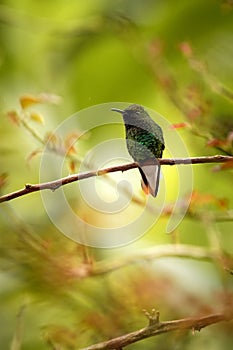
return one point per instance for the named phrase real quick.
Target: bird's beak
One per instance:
(117, 110)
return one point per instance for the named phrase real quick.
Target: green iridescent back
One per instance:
(143, 136)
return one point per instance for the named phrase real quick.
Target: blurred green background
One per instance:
(173, 57)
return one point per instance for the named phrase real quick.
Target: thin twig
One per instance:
(157, 327)
(54, 185)
(166, 250)
(18, 334)
(149, 254)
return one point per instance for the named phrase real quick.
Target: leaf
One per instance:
(227, 165)
(13, 117)
(186, 49)
(70, 141)
(53, 141)
(194, 113)
(156, 48)
(72, 166)
(230, 137)
(29, 100)
(180, 125)
(216, 143)
(3, 180)
(60, 337)
(49, 98)
(204, 200)
(33, 154)
(224, 166)
(36, 117)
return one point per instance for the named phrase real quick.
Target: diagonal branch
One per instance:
(156, 327)
(54, 185)
(160, 251)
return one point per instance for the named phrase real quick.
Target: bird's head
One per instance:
(130, 113)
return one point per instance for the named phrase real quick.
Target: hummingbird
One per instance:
(145, 143)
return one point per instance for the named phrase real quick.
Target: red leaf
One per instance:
(224, 166)
(72, 166)
(14, 117)
(186, 49)
(216, 143)
(180, 125)
(201, 200)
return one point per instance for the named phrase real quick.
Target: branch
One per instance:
(54, 185)
(166, 250)
(156, 327)
(149, 254)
